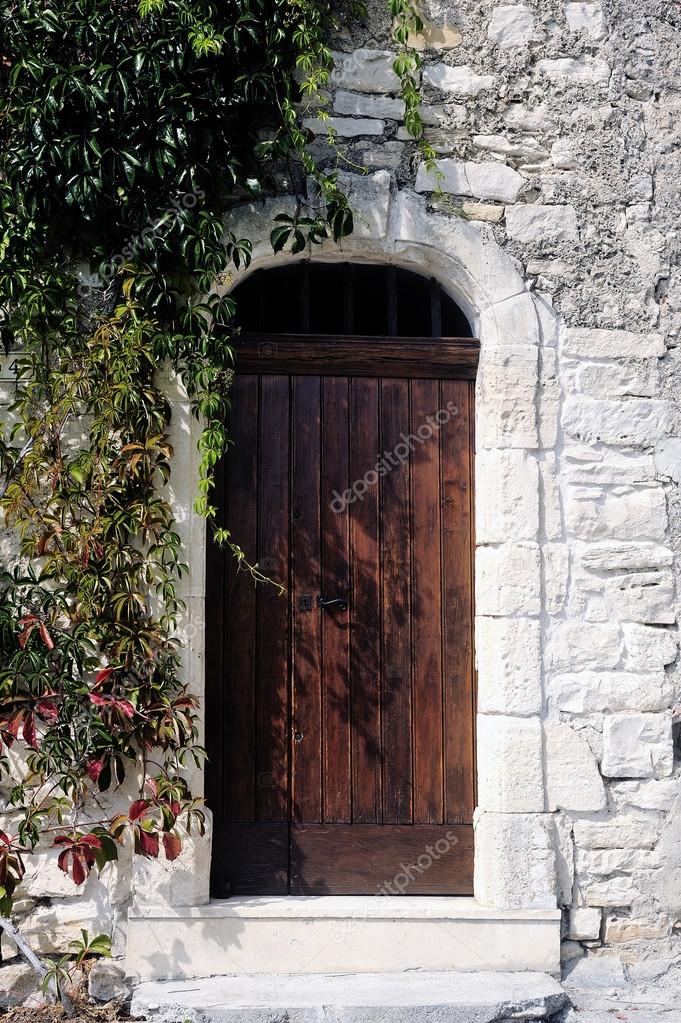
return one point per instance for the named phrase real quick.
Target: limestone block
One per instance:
(646, 597)
(52, 926)
(507, 496)
(604, 862)
(637, 746)
(616, 833)
(511, 25)
(583, 463)
(534, 119)
(565, 858)
(506, 390)
(435, 36)
(578, 644)
(551, 498)
(623, 556)
(521, 312)
(589, 692)
(18, 984)
(515, 862)
(460, 81)
(369, 196)
(619, 929)
(536, 224)
(366, 70)
(493, 181)
(596, 971)
(573, 781)
(483, 212)
(668, 458)
(181, 882)
(647, 647)
(344, 127)
(634, 422)
(587, 18)
(584, 923)
(556, 572)
(508, 580)
(616, 891)
(582, 70)
(570, 950)
(666, 883)
(510, 774)
(523, 150)
(626, 513)
(107, 982)
(354, 104)
(508, 653)
(598, 343)
(648, 794)
(631, 378)
(564, 155)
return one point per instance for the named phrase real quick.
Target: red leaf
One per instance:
(24, 636)
(46, 638)
(28, 731)
(78, 868)
(138, 809)
(94, 768)
(102, 676)
(172, 846)
(147, 843)
(46, 709)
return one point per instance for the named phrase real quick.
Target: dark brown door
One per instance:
(341, 695)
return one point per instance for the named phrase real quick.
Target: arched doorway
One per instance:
(339, 711)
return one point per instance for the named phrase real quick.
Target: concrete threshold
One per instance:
(406, 997)
(338, 935)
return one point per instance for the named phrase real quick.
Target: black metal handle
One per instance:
(339, 602)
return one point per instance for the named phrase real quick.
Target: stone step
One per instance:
(407, 997)
(338, 934)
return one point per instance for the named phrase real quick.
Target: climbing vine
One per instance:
(128, 128)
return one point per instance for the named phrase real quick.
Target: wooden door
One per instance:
(341, 735)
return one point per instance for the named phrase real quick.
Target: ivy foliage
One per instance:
(127, 129)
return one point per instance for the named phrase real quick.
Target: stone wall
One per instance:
(553, 124)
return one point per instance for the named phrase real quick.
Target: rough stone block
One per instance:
(621, 929)
(354, 104)
(369, 196)
(508, 580)
(598, 863)
(510, 774)
(596, 971)
(344, 127)
(584, 923)
(640, 378)
(507, 496)
(515, 863)
(636, 422)
(536, 224)
(588, 692)
(649, 794)
(578, 644)
(587, 18)
(436, 36)
(366, 70)
(492, 181)
(507, 392)
(511, 25)
(625, 513)
(525, 150)
(623, 556)
(556, 573)
(647, 647)
(637, 746)
(616, 833)
(460, 81)
(483, 212)
(616, 891)
(646, 597)
(573, 781)
(508, 655)
(184, 881)
(599, 343)
(106, 982)
(582, 70)
(668, 458)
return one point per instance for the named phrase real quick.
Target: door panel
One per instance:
(342, 746)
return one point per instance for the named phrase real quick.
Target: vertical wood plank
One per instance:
(241, 613)
(396, 604)
(457, 595)
(365, 613)
(307, 723)
(272, 738)
(426, 605)
(335, 583)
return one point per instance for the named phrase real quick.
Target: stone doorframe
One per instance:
(517, 840)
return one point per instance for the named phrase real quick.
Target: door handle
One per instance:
(326, 605)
